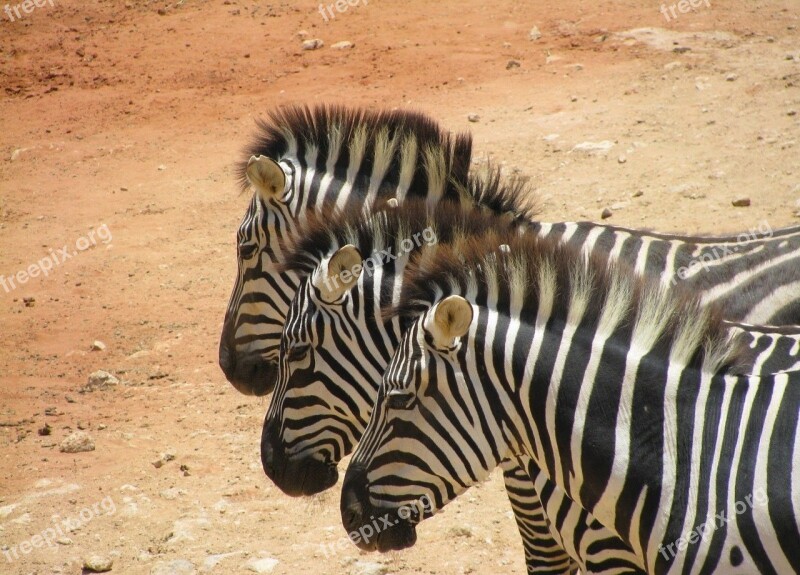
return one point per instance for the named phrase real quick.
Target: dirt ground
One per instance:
(120, 125)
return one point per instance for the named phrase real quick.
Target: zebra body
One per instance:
(306, 159)
(627, 396)
(336, 348)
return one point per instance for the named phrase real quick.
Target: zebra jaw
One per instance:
(266, 176)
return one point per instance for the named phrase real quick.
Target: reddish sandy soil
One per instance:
(129, 115)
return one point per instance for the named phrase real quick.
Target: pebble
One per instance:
(637, 194)
(741, 202)
(176, 567)
(186, 529)
(77, 442)
(98, 345)
(513, 64)
(172, 493)
(97, 564)
(163, 458)
(313, 44)
(100, 379)
(368, 568)
(473, 118)
(594, 148)
(607, 213)
(162, 167)
(622, 159)
(731, 77)
(343, 45)
(262, 565)
(534, 34)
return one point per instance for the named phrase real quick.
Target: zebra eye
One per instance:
(298, 352)
(399, 399)
(247, 251)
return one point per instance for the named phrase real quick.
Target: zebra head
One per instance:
(426, 439)
(249, 344)
(318, 410)
(303, 161)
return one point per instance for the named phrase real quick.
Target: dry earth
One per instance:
(123, 120)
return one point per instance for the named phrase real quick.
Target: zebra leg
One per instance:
(543, 554)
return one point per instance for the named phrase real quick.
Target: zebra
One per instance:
(301, 160)
(307, 158)
(335, 347)
(627, 395)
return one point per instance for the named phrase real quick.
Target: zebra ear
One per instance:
(451, 319)
(266, 176)
(334, 277)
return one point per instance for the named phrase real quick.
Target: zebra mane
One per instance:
(388, 228)
(397, 141)
(533, 276)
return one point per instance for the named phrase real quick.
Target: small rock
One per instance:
(100, 379)
(98, 345)
(77, 442)
(46, 430)
(97, 564)
(513, 64)
(172, 493)
(607, 213)
(64, 541)
(69, 399)
(622, 159)
(262, 565)
(176, 567)
(368, 568)
(473, 118)
(343, 45)
(594, 148)
(29, 301)
(731, 77)
(162, 167)
(791, 113)
(313, 44)
(162, 459)
(573, 98)
(461, 531)
(101, 427)
(7, 510)
(534, 34)
(741, 203)
(302, 33)
(637, 194)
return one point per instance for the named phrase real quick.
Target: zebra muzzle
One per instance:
(368, 527)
